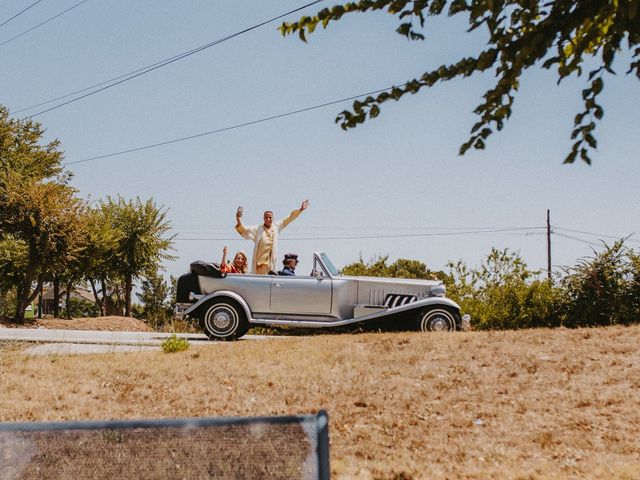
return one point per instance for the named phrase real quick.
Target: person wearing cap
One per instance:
(290, 261)
(265, 238)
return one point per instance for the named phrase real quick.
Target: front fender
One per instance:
(443, 301)
(408, 307)
(220, 294)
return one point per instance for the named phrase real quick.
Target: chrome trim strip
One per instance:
(320, 323)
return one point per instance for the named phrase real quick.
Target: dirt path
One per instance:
(112, 324)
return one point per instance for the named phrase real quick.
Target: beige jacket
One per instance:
(255, 232)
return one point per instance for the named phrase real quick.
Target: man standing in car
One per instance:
(265, 238)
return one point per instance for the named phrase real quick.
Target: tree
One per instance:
(559, 34)
(45, 217)
(140, 229)
(20, 151)
(13, 260)
(99, 255)
(39, 211)
(401, 268)
(154, 291)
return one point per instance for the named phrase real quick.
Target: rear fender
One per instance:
(220, 294)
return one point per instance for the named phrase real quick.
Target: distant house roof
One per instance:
(77, 292)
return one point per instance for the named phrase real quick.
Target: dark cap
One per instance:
(291, 256)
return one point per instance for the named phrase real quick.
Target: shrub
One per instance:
(80, 308)
(401, 268)
(156, 297)
(603, 289)
(174, 344)
(503, 293)
(7, 303)
(632, 295)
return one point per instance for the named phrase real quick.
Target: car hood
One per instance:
(376, 290)
(409, 282)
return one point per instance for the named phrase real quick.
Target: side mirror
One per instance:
(317, 273)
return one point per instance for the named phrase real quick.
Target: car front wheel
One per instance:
(438, 319)
(223, 320)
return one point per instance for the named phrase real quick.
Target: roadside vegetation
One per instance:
(174, 344)
(504, 293)
(49, 234)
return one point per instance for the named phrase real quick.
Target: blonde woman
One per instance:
(239, 264)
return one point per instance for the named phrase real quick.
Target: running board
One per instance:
(465, 324)
(307, 323)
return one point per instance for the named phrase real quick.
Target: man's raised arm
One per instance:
(293, 215)
(239, 227)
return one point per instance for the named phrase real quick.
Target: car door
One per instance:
(301, 295)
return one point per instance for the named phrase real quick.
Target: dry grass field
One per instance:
(518, 405)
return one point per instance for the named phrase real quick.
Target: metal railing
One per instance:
(283, 447)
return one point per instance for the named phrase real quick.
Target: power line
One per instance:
(352, 227)
(20, 13)
(594, 244)
(89, 87)
(631, 239)
(368, 234)
(163, 63)
(224, 129)
(41, 24)
(362, 237)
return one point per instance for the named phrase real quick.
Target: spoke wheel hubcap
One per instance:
(221, 320)
(437, 321)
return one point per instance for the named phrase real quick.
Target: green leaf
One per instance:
(598, 112)
(571, 157)
(404, 29)
(585, 156)
(597, 85)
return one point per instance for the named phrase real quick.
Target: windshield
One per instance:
(330, 266)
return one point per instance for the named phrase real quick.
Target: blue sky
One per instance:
(397, 175)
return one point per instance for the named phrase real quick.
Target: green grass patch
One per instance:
(174, 344)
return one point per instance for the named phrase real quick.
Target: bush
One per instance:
(7, 303)
(514, 305)
(80, 308)
(177, 325)
(504, 294)
(157, 301)
(174, 344)
(603, 289)
(401, 268)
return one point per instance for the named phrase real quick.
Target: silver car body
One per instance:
(325, 298)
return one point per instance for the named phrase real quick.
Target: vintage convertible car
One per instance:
(226, 306)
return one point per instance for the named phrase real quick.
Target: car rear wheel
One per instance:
(223, 320)
(438, 319)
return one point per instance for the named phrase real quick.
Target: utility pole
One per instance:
(548, 244)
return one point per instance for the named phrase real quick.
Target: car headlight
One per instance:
(438, 291)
